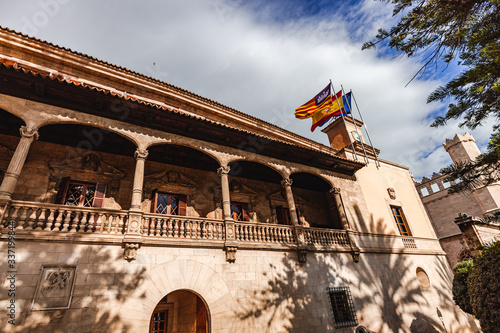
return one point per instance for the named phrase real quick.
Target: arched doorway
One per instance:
(180, 311)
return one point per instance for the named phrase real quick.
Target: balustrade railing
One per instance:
(171, 226)
(39, 218)
(326, 237)
(264, 233)
(49, 217)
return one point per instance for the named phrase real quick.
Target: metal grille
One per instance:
(343, 310)
(80, 195)
(167, 204)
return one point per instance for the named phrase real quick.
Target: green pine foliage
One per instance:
(460, 289)
(484, 288)
(469, 31)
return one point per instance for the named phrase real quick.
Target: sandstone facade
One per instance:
(259, 230)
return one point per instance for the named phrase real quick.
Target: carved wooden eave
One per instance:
(85, 84)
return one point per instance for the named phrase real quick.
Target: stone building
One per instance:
(455, 216)
(131, 205)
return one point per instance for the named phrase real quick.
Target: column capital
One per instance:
(223, 170)
(335, 190)
(28, 133)
(286, 182)
(141, 154)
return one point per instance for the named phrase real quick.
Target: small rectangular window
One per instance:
(343, 310)
(424, 191)
(397, 212)
(446, 184)
(435, 187)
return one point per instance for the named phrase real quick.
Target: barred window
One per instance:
(343, 310)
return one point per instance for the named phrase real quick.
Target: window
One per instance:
(424, 191)
(423, 278)
(283, 215)
(400, 221)
(239, 211)
(159, 321)
(446, 184)
(83, 194)
(343, 310)
(435, 187)
(168, 203)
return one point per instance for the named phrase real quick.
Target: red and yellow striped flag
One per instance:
(322, 100)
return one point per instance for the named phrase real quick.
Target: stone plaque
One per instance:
(55, 288)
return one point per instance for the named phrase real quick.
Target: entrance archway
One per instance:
(180, 311)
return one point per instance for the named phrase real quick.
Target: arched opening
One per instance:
(78, 165)
(180, 311)
(180, 180)
(255, 192)
(315, 205)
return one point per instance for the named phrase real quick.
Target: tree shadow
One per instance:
(386, 293)
(102, 278)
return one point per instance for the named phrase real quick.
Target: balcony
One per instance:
(42, 221)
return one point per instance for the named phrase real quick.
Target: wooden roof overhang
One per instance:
(186, 114)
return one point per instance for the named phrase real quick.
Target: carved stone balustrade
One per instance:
(38, 220)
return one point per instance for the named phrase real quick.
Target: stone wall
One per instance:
(263, 291)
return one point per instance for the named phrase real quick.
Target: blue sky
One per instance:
(264, 58)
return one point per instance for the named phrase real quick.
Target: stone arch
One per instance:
(258, 160)
(315, 173)
(122, 133)
(320, 210)
(184, 143)
(174, 275)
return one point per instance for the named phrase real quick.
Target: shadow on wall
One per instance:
(378, 227)
(296, 295)
(102, 284)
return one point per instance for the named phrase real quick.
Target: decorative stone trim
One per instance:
(302, 255)
(223, 170)
(231, 253)
(286, 182)
(130, 251)
(28, 133)
(335, 190)
(141, 154)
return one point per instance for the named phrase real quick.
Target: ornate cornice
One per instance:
(141, 154)
(28, 133)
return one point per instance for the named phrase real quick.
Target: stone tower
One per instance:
(462, 148)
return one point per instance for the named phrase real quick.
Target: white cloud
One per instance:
(220, 51)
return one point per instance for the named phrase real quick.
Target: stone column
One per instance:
(132, 239)
(340, 208)
(16, 163)
(230, 243)
(140, 157)
(355, 251)
(223, 171)
(287, 184)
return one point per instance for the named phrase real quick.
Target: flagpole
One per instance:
(343, 119)
(355, 125)
(366, 129)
